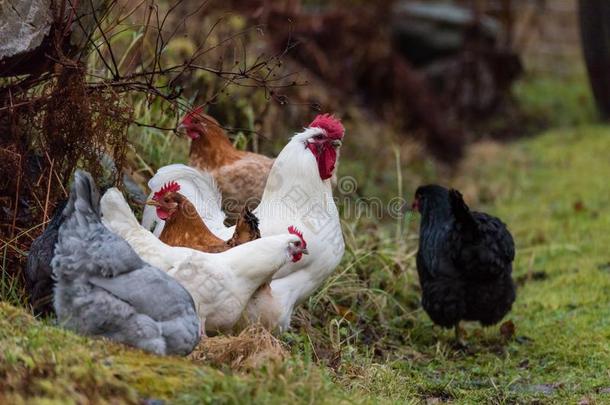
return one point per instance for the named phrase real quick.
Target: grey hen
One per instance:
(103, 288)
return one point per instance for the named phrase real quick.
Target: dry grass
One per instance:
(252, 349)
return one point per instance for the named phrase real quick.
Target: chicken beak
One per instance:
(305, 251)
(153, 202)
(336, 143)
(181, 130)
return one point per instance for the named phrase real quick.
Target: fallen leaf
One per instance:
(579, 206)
(507, 330)
(345, 312)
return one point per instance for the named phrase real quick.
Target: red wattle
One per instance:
(326, 162)
(326, 156)
(162, 214)
(193, 134)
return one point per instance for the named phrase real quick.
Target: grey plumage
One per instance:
(103, 288)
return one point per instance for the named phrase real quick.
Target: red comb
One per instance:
(169, 187)
(295, 231)
(189, 115)
(329, 123)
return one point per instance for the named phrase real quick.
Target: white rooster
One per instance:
(298, 192)
(221, 284)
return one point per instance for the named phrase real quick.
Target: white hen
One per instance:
(298, 192)
(221, 284)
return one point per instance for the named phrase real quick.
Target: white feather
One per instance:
(294, 195)
(198, 186)
(221, 284)
(118, 217)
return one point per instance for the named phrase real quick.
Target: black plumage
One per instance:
(464, 260)
(251, 220)
(38, 271)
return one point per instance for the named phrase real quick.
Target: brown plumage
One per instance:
(241, 176)
(185, 228)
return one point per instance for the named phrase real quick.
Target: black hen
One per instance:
(464, 260)
(38, 272)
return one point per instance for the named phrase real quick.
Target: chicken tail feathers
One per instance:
(149, 217)
(84, 201)
(246, 229)
(81, 217)
(462, 213)
(117, 213)
(251, 221)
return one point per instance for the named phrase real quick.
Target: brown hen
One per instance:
(240, 175)
(185, 228)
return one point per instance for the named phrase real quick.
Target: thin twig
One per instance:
(57, 177)
(16, 206)
(46, 202)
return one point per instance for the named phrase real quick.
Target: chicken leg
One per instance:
(459, 342)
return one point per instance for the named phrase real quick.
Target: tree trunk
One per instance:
(595, 36)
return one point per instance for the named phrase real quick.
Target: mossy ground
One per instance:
(363, 338)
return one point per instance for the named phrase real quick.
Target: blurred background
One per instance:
(427, 77)
(102, 85)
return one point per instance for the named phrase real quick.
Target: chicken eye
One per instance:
(297, 244)
(318, 137)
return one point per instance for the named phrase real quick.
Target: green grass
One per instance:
(552, 100)
(363, 338)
